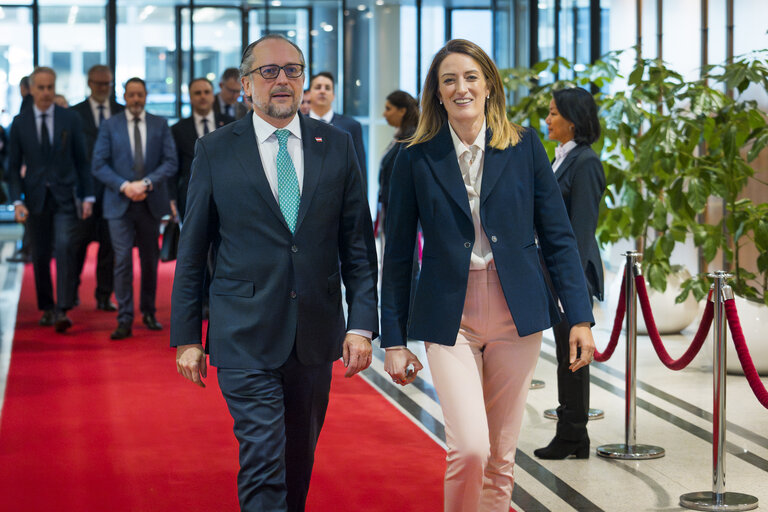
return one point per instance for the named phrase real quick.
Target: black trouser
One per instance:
(96, 229)
(54, 229)
(572, 390)
(278, 416)
(136, 224)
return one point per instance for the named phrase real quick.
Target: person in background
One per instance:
(401, 111)
(483, 190)
(322, 87)
(23, 253)
(306, 102)
(61, 101)
(226, 101)
(56, 187)
(94, 110)
(26, 96)
(573, 122)
(134, 157)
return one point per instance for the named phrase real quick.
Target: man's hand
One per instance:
(174, 210)
(396, 363)
(87, 209)
(357, 353)
(190, 363)
(136, 190)
(20, 213)
(581, 337)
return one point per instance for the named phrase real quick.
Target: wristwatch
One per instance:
(148, 183)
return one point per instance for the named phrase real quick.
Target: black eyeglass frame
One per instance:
(279, 68)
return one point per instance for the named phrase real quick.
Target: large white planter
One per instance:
(754, 323)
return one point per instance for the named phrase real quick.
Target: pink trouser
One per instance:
(482, 383)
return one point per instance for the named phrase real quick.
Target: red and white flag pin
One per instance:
(318, 139)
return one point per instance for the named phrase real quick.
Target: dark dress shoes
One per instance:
(561, 449)
(123, 331)
(47, 319)
(105, 305)
(151, 322)
(62, 322)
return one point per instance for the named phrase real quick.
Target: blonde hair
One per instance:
(434, 116)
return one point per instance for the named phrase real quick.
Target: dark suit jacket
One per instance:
(91, 131)
(185, 137)
(519, 200)
(65, 169)
(241, 110)
(113, 164)
(271, 289)
(354, 128)
(582, 183)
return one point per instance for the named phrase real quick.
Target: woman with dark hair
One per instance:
(484, 193)
(401, 111)
(573, 122)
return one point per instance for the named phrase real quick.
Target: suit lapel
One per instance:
(572, 155)
(247, 154)
(494, 164)
(441, 157)
(313, 165)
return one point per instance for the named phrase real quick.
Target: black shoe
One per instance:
(47, 319)
(123, 331)
(151, 322)
(19, 257)
(62, 322)
(561, 449)
(106, 305)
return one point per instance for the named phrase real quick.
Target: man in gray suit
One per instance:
(134, 157)
(279, 195)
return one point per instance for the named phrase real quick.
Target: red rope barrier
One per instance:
(621, 308)
(653, 332)
(744, 358)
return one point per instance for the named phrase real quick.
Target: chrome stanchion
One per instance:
(718, 499)
(592, 414)
(630, 449)
(536, 384)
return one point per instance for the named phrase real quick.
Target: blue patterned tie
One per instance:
(288, 194)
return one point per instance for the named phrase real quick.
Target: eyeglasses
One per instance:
(271, 71)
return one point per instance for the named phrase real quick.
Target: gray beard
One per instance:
(280, 112)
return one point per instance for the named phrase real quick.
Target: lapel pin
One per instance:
(318, 139)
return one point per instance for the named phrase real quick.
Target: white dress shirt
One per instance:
(210, 120)
(95, 109)
(142, 130)
(561, 152)
(48, 122)
(325, 117)
(471, 160)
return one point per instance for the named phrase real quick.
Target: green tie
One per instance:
(288, 194)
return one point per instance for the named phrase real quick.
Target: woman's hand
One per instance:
(581, 338)
(397, 362)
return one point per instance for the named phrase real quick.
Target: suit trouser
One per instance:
(482, 383)
(140, 225)
(278, 415)
(572, 389)
(54, 228)
(96, 228)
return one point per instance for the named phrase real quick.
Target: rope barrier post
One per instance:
(718, 499)
(630, 449)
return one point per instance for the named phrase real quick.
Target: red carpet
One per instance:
(91, 424)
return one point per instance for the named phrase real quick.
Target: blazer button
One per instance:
(293, 294)
(494, 239)
(467, 245)
(294, 248)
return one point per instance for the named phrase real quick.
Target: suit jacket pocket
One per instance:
(236, 287)
(334, 284)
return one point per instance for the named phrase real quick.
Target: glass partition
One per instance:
(16, 59)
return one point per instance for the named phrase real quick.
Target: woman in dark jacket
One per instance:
(573, 122)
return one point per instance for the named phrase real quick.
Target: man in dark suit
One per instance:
(321, 103)
(185, 134)
(226, 101)
(279, 194)
(49, 141)
(93, 111)
(134, 157)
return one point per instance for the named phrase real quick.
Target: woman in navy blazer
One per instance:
(483, 190)
(573, 122)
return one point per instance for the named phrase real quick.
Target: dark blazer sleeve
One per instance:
(15, 157)
(385, 172)
(169, 161)
(101, 163)
(80, 158)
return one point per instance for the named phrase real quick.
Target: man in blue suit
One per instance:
(134, 157)
(49, 141)
(280, 197)
(321, 102)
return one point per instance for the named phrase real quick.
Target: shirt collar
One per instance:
(199, 119)
(264, 130)
(562, 150)
(142, 116)
(95, 104)
(460, 147)
(39, 112)
(327, 117)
